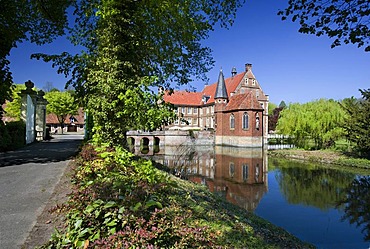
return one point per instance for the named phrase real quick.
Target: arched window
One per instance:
(232, 121)
(257, 121)
(245, 121)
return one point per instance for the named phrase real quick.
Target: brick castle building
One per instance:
(235, 107)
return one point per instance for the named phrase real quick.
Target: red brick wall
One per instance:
(223, 124)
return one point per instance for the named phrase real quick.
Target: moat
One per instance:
(322, 205)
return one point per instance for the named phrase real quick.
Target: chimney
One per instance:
(248, 67)
(233, 72)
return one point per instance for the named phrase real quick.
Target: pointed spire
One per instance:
(221, 87)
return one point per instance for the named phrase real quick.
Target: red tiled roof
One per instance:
(184, 98)
(243, 101)
(231, 84)
(195, 98)
(79, 118)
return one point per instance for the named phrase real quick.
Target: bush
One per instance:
(12, 135)
(5, 140)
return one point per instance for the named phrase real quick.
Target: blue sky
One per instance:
(289, 66)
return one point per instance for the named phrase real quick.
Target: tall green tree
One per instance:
(61, 104)
(357, 125)
(346, 21)
(38, 21)
(132, 48)
(13, 106)
(320, 121)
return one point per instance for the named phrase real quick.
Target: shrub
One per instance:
(12, 135)
(5, 140)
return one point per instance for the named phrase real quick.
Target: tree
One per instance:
(49, 87)
(61, 104)
(356, 204)
(37, 21)
(320, 121)
(133, 47)
(357, 126)
(274, 118)
(13, 106)
(346, 21)
(271, 108)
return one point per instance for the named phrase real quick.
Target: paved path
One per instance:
(27, 179)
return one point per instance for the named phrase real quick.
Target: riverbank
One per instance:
(321, 156)
(119, 200)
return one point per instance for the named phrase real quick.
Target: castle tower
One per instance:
(221, 100)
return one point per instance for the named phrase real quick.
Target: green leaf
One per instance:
(136, 207)
(151, 203)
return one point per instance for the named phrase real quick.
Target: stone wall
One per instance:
(240, 141)
(175, 138)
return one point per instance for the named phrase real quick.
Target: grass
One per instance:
(322, 156)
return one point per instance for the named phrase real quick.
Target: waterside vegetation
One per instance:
(322, 156)
(122, 201)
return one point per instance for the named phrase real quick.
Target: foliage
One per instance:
(310, 184)
(37, 21)
(12, 135)
(271, 107)
(357, 124)
(13, 107)
(61, 104)
(345, 21)
(282, 104)
(356, 201)
(133, 47)
(273, 118)
(319, 120)
(120, 201)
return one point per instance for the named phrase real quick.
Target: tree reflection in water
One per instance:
(357, 204)
(310, 184)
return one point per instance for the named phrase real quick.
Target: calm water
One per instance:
(327, 207)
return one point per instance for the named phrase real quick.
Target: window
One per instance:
(176, 122)
(189, 110)
(245, 123)
(246, 81)
(207, 109)
(195, 111)
(257, 122)
(245, 172)
(231, 169)
(182, 110)
(176, 110)
(212, 109)
(232, 121)
(195, 121)
(190, 120)
(253, 82)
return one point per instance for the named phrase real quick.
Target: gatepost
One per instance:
(33, 113)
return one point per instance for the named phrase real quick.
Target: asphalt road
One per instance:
(27, 179)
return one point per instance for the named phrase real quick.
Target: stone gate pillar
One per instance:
(40, 121)
(28, 110)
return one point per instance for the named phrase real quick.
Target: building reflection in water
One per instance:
(237, 174)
